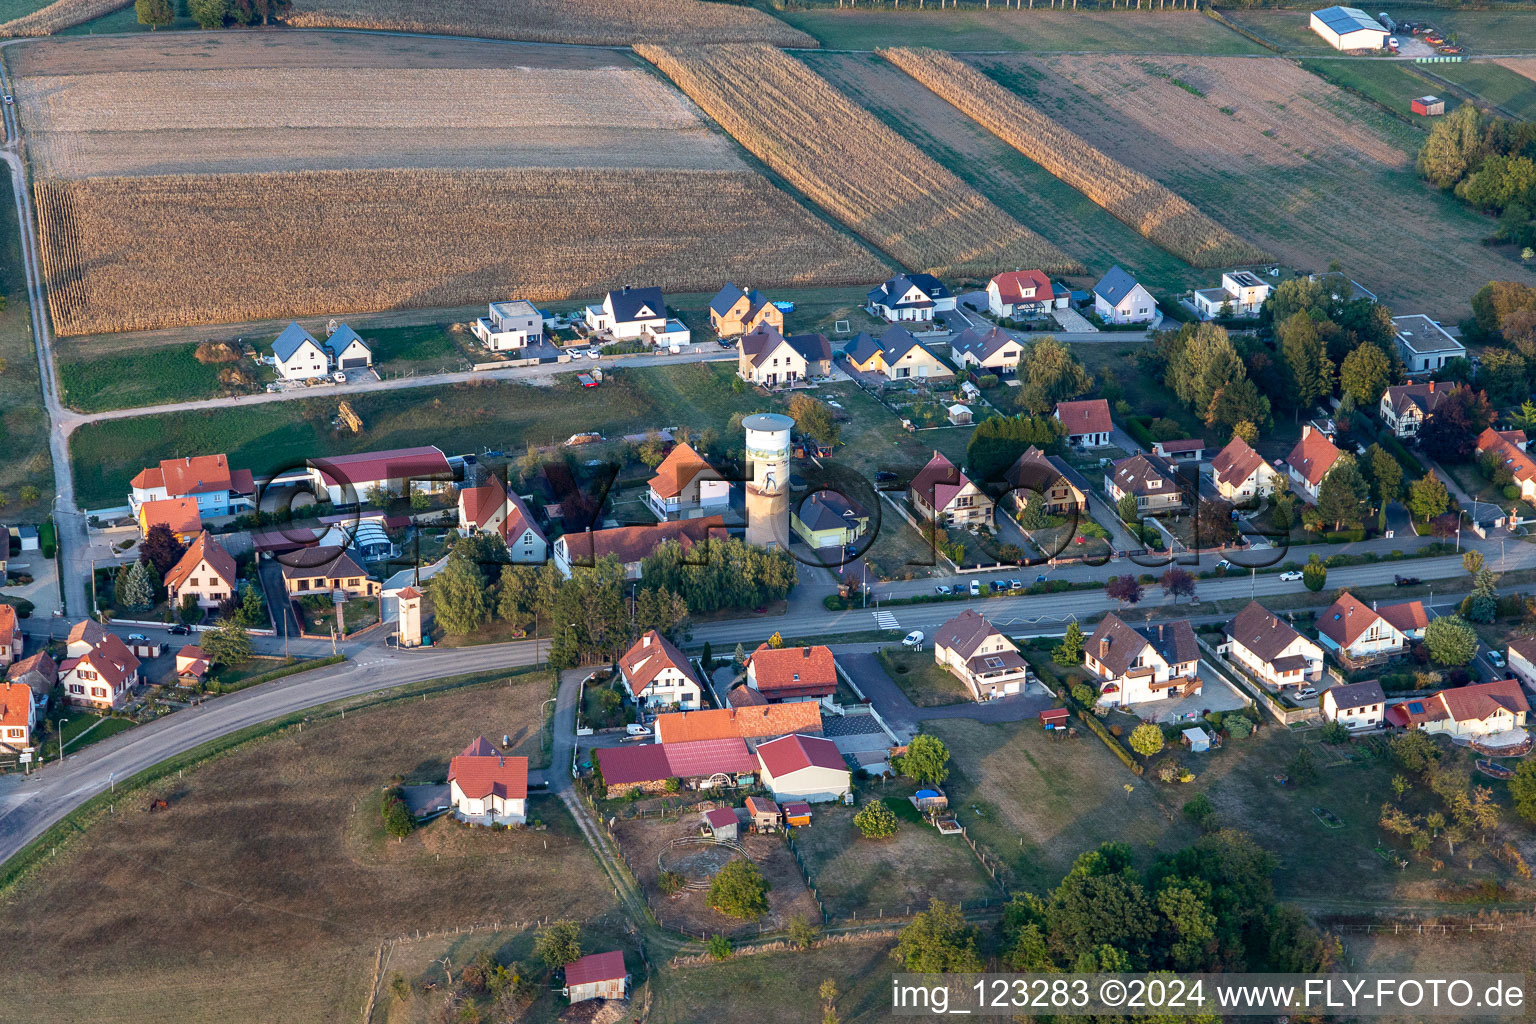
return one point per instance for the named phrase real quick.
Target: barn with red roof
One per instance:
(807, 768)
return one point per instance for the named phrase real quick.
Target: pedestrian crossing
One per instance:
(885, 620)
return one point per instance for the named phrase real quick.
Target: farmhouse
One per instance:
(1482, 709)
(1405, 407)
(192, 664)
(1358, 705)
(630, 544)
(686, 487)
(993, 351)
(596, 976)
(736, 311)
(38, 671)
(1240, 473)
(13, 641)
(99, 671)
(1509, 446)
(1024, 293)
(1150, 479)
(1311, 459)
(806, 768)
(981, 656)
(326, 570)
(754, 724)
(786, 674)
(491, 507)
(399, 472)
(765, 356)
(721, 823)
(942, 494)
(18, 716)
(1271, 649)
(701, 764)
(1358, 634)
(218, 490)
(910, 297)
(1349, 28)
(487, 787)
(1424, 345)
(1242, 293)
(205, 572)
(1118, 299)
(297, 355)
(896, 356)
(347, 350)
(512, 326)
(179, 515)
(1087, 423)
(1037, 475)
(657, 674)
(1138, 665)
(828, 519)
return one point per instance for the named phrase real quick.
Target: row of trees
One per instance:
(209, 13)
(1488, 163)
(1200, 364)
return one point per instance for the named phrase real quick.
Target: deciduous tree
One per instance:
(1427, 497)
(1147, 739)
(154, 13)
(1124, 589)
(926, 760)
(938, 941)
(1450, 640)
(875, 820)
(1365, 373)
(161, 548)
(558, 943)
(458, 596)
(1177, 583)
(1343, 499)
(739, 890)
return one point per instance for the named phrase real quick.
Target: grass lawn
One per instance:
(81, 729)
(1035, 30)
(1290, 30)
(425, 348)
(924, 681)
(94, 383)
(1508, 30)
(1494, 83)
(1393, 84)
(23, 422)
(854, 875)
(780, 988)
(269, 881)
(124, 20)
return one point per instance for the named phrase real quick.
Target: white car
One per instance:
(1292, 576)
(913, 639)
(975, 588)
(1305, 692)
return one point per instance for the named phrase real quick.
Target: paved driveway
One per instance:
(904, 717)
(1216, 694)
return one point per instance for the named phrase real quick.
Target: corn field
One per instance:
(136, 253)
(853, 165)
(596, 22)
(60, 15)
(1163, 218)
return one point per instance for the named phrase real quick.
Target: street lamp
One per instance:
(61, 739)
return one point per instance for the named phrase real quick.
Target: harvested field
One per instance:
(60, 15)
(851, 164)
(596, 22)
(1152, 209)
(1317, 173)
(147, 252)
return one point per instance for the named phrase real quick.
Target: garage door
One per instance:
(354, 364)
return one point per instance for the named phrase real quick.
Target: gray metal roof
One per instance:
(1421, 335)
(292, 338)
(628, 301)
(1343, 20)
(343, 336)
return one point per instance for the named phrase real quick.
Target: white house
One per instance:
(1088, 423)
(1521, 657)
(686, 487)
(910, 297)
(1406, 407)
(1424, 345)
(629, 313)
(491, 507)
(807, 768)
(298, 355)
(1242, 293)
(13, 642)
(657, 674)
(1311, 459)
(487, 787)
(981, 656)
(511, 326)
(1024, 293)
(1134, 666)
(1271, 649)
(1358, 705)
(992, 351)
(18, 716)
(1482, 709)
(347, 350)
(1150, 479)
(1358, 633)
(1349, 28)
(351, 479)
(1118, 299)
(99, 671)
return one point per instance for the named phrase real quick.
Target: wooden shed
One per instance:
(1054, 718)
(722, 823)
(763, 814)
(596, 976)
(797, 814)
(1429, 106)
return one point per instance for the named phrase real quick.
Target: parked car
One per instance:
(636, 729)
(884, 476)
(943, 590)
(1223, 564)
(913, 639)
(1495, 659)
(1405, 581)
(975, 588)
(137, 638)
(180, 630)
(1015, 584)
(1040, 578)
(1305, 692)
(1292, 576)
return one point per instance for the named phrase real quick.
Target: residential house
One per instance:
(490, 507)
(596, 976)
(686, 487)
(806, 768)
(1310, 461)
(1241, 474)
(487, 787)
(13, 642)
(1272, 650)
(1521, 658)
(1118, 299)
(1349, 28)
(1405, 407)
(298, 355)
(1150, 479)
(1020, 294)
(629, 313)
(192, 665)
(1482, 709)
(1359, 634)
(218, 490)
(18, 716)
(828, 519)
(326, 570)
(754, 724)
(1038, 475)
(896, 356)
(699, 764)
(1186, 450)
(399, 472)
(763, 815)
(942, 494)
(630, 544)
(992, 351)
(764, 356)
(179, 515)
(787, 674)
(347, 350)
(1242, 293)
(657, 674)
(1087, 424)
(910, 297)
(205, 572)
(721, 823)
(1133, 665)
(512, 326)
(100, 671)
(1424, 345)
(1358, 705)
(1509, 445)
(38, 671)
(736, 311)
(980, 656)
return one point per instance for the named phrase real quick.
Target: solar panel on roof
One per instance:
(1417, 707)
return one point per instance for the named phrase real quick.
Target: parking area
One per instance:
(1216, 694)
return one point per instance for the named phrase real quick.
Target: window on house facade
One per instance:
(98, 691)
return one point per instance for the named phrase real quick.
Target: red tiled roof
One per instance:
(721, 816)
(427, 462)
(793, 671)
(491, 775)
(1013, 286)
(195, 474)
(7, 623)
(181, 515)
(478, 747)
(15, 704)
(1192, 444)
(41, 662)
(204, 547)
(1235, 463)
(595, 967)
(519, 520)
(1345, 619)
(648, 657)
(678, 470)
(88, 630)
(645, 763)
(939, 482)
(478, 504)
(1520, 464)
(634, 543)
(743, 696)
(747, 723)
(110, 657)
(1478, 701)
(1313, 456)
(1406, 616)
(653, 762)
(1086, 417)
(793, 753)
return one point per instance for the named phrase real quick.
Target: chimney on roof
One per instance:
(645, 641)
(1103, 648)
(1431, 387)
(806, 652)
(1374, 604)
(1159, 632)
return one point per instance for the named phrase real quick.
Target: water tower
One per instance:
(768, 436)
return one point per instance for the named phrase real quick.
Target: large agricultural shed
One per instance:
(1349, 28)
